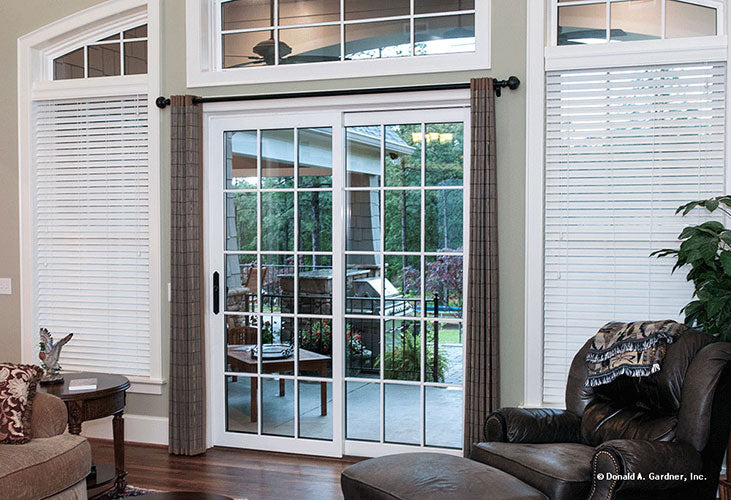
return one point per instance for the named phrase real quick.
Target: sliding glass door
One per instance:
(336, 249)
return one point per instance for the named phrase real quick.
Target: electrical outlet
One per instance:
(5, 286)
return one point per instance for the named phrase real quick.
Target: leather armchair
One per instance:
(643, 465)
(533, 425)
(662, 436)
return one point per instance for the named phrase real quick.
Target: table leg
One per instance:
(75, 415)
(254, 404)
(281, 387)
(74, 409)
(118, 433)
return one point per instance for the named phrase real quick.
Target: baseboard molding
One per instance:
(137, 428)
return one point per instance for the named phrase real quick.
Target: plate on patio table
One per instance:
(273, 351)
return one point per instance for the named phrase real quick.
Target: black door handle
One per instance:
(216, 293)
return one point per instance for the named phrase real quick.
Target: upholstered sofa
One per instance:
(54, 464)
(658, 437)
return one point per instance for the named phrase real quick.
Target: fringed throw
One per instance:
(634, 349)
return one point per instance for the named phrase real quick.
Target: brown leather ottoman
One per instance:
(431, 476)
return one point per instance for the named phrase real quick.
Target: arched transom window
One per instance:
(123, 53)
(602, 21)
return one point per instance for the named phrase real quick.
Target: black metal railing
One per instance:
(277, 303)
(401, 337)
(308, 304)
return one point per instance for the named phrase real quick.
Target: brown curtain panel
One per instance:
(187, 380)
(482, 370)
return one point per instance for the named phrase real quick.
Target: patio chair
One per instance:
(239, 335)
(252, 283)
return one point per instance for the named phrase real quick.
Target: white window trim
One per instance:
(36, 51)
(534, 195)
(646, 52)
(203, 67)
(540, 59)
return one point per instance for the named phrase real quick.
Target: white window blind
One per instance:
(624, 148)
(92, 249)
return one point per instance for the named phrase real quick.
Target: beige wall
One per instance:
(508, 56)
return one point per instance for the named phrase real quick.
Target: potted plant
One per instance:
(706, 249)
(317, 337)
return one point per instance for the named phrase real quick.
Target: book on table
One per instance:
(82, 384)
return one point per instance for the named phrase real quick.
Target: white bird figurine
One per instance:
(50, 353)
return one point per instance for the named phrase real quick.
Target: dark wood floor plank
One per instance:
(253, 475)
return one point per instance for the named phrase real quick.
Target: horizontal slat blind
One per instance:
(624, 148)
(92, 247)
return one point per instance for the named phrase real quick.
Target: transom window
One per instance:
(274, 32)
(602, 21)
(123, 53)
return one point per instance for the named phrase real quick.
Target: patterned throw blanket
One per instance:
(634, 349)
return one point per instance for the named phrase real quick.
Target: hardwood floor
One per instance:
(253, 475)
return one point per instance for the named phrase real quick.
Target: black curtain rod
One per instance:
(512, 83)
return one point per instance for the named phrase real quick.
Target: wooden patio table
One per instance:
(241, 359)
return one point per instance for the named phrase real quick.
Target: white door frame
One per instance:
(289, 113)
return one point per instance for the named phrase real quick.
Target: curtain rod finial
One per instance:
(162, 102)
(512, 83)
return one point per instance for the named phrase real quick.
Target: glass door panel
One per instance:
(404, 257)
(277, 254)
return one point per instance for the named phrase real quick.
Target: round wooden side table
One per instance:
(109, 398)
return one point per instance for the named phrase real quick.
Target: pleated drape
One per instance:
(187, 423)
(482, 383)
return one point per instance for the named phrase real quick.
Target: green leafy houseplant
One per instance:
(706, 248)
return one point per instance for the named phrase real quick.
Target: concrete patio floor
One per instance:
(402, 412)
